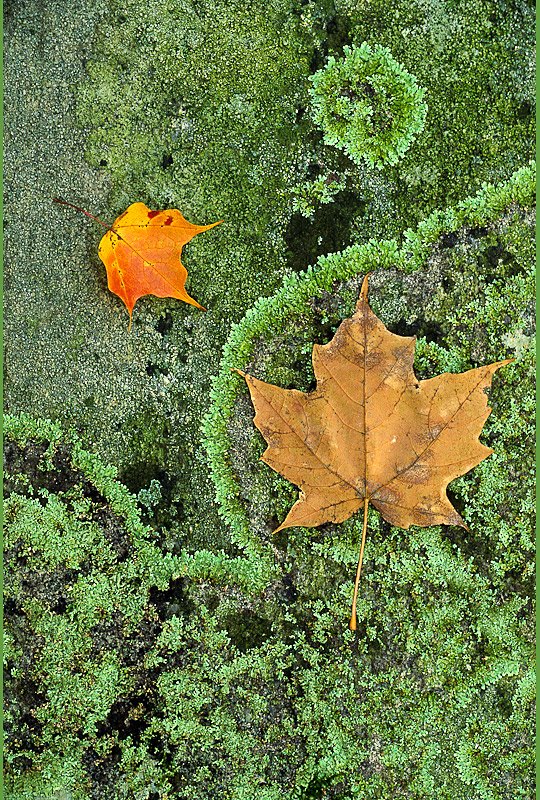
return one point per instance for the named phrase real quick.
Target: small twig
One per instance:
(78, 208)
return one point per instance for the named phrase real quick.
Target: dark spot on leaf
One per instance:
(495, 254)
(168, 221)
(152, 214)
(129, 715)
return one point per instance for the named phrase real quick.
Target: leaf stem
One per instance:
(78, 208)
(352, 623)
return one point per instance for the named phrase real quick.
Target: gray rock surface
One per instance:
(68, 353)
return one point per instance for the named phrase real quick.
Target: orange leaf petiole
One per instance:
(352, 623)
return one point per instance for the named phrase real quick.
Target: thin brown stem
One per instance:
(352, 623)
(78, 208)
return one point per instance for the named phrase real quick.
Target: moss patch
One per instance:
(368, 105)
(87, 596)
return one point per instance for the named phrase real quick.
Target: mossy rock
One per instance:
(79, 570)
(91, 608)
(445, 622)
(180, 688)
(247, 683)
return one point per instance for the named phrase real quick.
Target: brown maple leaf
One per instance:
(141, 252)
(371, 432)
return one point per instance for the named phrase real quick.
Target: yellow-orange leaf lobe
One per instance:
(141, 252)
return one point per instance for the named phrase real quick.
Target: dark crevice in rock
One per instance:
(102, 771)
(173, 601)
(328, 231)
(247, 629)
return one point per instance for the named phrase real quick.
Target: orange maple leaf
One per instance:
(141, 252)
(371, 432)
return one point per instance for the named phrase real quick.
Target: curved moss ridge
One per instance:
(368, 105)
(293, 301)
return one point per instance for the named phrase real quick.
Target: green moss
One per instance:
(475, 62)
(368, 105)
(85, 595)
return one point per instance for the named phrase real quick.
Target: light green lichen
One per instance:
(368, 105)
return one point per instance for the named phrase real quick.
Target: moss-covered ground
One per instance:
(161, 645)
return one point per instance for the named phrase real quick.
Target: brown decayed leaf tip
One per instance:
(371, 432)
(141, 252)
